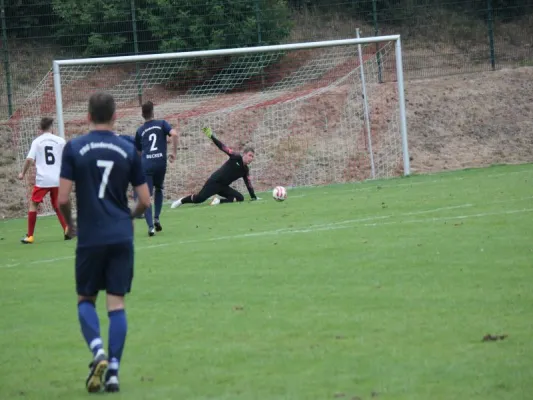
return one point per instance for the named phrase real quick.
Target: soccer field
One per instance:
(382, 290)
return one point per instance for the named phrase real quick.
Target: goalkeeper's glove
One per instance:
(208, 132)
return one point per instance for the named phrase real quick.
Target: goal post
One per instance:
(316, 112)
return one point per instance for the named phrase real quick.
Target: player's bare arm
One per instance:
(175, 139)
(65, 206)
(27, 163)
(143, 200)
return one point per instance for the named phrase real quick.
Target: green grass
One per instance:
(339, 292)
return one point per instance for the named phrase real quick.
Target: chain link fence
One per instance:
(439, 37)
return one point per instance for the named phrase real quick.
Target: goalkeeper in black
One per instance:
(219, 182)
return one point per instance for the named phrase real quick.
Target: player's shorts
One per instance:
(155, 178)
(106, 267)
(38, 194)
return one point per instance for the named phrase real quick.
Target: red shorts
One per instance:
(38, 194)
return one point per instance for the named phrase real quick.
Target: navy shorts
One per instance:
(155, 177)
(107, 267)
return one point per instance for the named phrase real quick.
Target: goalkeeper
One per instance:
(219, 182)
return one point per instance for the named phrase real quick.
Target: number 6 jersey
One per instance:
(46, 151)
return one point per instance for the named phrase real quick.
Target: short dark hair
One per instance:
(46, 123)
(101, 108)
(148, 110)
(248, 149)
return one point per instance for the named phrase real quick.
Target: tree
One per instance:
(30, 18)
(95, 27)
(212, 24)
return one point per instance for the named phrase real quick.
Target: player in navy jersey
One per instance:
(102, 165)
(219, 182)
(151, 142)
(128, 138)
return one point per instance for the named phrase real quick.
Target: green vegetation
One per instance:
(376, 290)
(101, 27)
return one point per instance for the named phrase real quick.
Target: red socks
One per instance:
(61, 219)
(32, 219)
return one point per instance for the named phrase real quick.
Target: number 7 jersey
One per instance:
(102, 165)
(46, 151)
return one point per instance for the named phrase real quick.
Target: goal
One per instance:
(317, 113)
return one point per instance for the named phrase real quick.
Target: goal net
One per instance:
(316, 113)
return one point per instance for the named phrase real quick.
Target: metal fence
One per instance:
(439, 37)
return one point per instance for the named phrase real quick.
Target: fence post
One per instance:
(136, 50)
(365, 106)
(6, 60)
(259, 38)
(490, 27)
(375, 18)
(258, 21)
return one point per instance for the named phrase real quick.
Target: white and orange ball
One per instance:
(279, 193)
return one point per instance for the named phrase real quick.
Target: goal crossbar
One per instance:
(226, 52)
(402, 125)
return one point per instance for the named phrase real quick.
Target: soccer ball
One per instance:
(279, 193)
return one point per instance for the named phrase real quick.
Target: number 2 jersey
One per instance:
(46, 151)
(151, 140)
(102, 165)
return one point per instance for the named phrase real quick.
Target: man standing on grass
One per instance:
(102, 165)
(151, 142)
(45, 152)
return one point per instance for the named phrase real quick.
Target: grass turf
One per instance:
(377, 290)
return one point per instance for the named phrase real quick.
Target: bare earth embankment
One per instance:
(471, 120)
(454, 122)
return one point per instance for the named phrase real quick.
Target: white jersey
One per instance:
(46, 150)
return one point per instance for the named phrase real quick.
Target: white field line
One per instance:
(366, 222)
(385, 185)
(348, 221)
(347, 225)
(456, 217)
(300, 196)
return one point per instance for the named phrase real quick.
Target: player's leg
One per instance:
(230, 195)
(90, 278)
(37, 196)
(209, 189)
(32, 221)
(148, 213)
(53, 198)
(158, 180)
(119, 277)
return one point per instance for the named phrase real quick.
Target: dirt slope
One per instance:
(454, 122)
(470, 121)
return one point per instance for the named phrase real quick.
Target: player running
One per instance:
(102, 165)
(45, 152)
(219, 182)
(151, 141)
